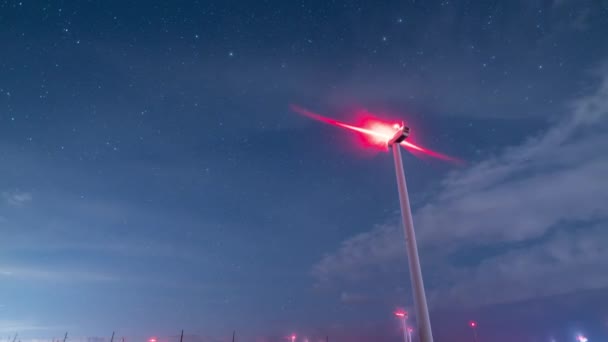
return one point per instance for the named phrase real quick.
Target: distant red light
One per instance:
(152, 339)
(401, 314)
(473, 324)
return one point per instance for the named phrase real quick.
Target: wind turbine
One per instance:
(394, 136)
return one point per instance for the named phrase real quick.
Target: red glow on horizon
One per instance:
(375, 133)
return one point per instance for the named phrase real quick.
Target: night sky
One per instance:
(153, 177)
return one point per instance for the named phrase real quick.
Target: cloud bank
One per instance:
(530, 221)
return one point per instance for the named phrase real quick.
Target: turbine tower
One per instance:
(422, 310)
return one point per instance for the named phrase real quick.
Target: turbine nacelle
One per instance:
(402, 133)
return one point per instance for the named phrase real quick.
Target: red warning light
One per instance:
(401, 314)
(473, 324)
(375, 133)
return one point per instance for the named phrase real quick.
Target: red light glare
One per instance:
(375, 133)
(473, 324)
(152, 339)
(401, 314)
(293, 337)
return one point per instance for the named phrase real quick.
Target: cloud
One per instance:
(54, 275)
(508, 208)
(560, 265)
(361, 256)
(552, 178)
(16, 198)
(12, 326)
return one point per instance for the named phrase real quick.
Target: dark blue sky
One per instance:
(153, 178)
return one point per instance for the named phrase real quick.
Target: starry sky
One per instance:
(153, 177)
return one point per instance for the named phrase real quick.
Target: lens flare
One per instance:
(375, 133)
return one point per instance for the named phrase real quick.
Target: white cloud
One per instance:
(554, 180)
(51, 274)
(12, 326)
(361, 255)
(555, 177)
(17, 198)
(560, 265)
